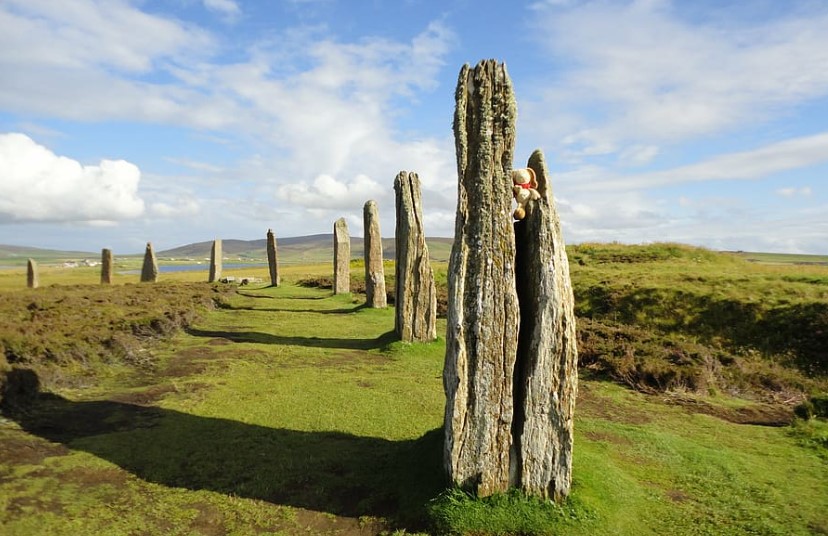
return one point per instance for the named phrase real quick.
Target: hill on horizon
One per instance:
(299, 249)
(308, 249)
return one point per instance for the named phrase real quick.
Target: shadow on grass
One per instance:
(282, 310)
(312, 342)
(330, 472)
(265, 297)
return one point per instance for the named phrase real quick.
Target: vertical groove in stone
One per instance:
(272, 258)
(546, 373)
(149, 271)
(215, 261)
(483, 317)
(342, 257)
(415, 296)
(374, 271)
(32, 277)
(106, 266)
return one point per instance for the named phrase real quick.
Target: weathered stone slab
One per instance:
(215, 261)
(149, 271)
(272, 258)
(483, 318)
(510, 374)
(106, 266)
(374, 272)
(546, 372)
(415, 296)
(342, 257)
(32, 276)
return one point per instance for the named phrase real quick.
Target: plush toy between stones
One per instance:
(524, 190)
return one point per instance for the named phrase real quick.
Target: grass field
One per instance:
(290, 411)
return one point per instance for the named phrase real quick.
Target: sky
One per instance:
(176, 121)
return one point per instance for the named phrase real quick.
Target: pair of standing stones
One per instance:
(33, 279)
(415, 296)
(149, 270)
(375, 295)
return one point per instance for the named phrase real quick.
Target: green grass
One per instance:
(290, 411)
(728, 324)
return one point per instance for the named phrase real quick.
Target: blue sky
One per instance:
(177, 121)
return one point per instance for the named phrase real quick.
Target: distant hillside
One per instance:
(311, 249)
(19, 255)
(296, 250)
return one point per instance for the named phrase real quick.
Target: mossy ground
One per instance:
(290, 411)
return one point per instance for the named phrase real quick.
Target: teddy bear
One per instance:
(524, 190)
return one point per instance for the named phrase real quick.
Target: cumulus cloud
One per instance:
(327, 192)
(39, 185)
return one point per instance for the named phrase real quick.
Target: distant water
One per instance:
(196, 267)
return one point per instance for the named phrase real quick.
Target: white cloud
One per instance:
(638, 155)
(639, 73)
(182, 207)
(746, 165)
(82, 34)
(804, 191)
(41, 186)
(226, 7)
(326, 192)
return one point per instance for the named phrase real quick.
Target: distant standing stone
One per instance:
(374, 271)
(415, 296)
(215, 261)
(149, 271)
(32, 279)
(272, 258)
(342, 257)
(106, 266)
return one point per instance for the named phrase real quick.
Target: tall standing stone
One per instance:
(215, 261)
(32, 278)
(510, 374)
(342, 257)
(415, 297)
(546, 372)
(374, 271)
(149, 271)
(272, 258)
(483, 318)
(106, 266)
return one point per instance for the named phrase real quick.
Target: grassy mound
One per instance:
(670, 317)
(69, 335)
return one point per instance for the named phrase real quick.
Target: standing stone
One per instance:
(272, 258)
(483, 317)
(106, 266)
(342, 257)
(546, 372)
(215, 261)
(374, 271)
(510, 374)
(149, 272)
(415, 297)
(32, 279)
